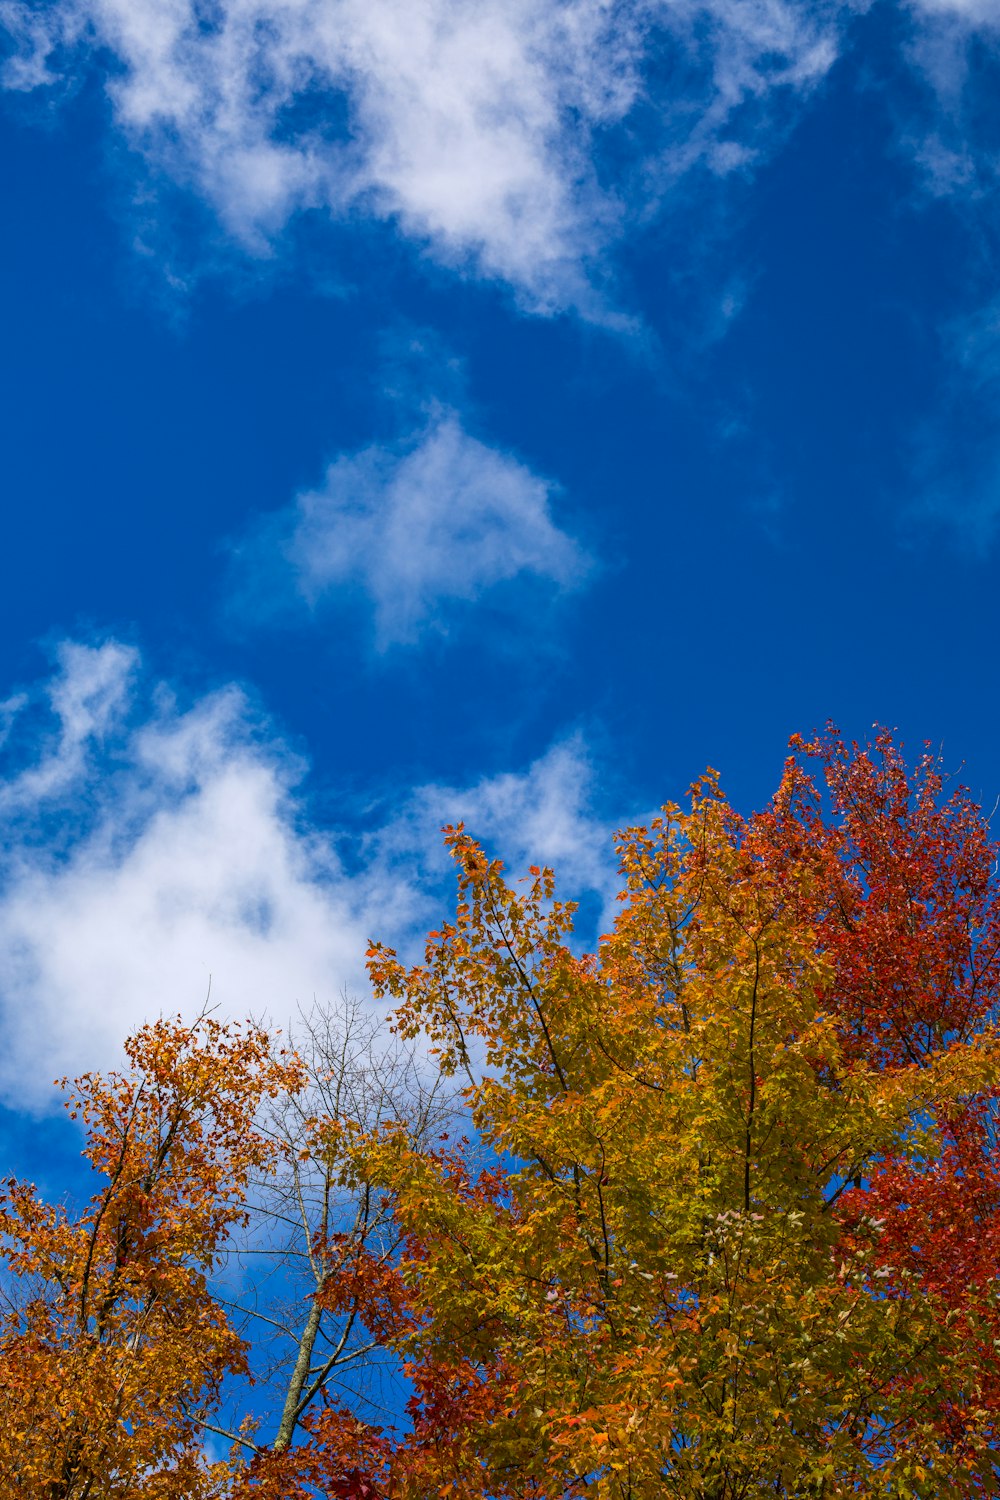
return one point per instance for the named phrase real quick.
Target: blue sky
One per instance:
(495, 410)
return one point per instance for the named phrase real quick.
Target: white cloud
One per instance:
(543, 816)
(979, 12)
(420, 527)
(956, 155)
(148, 847)
(88, 697)
(743, 53)
(477, 126)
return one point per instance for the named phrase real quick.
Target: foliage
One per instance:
(740, 1234)
(117, 1348)
(726, 1223)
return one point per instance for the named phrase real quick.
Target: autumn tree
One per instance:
(737, 1234)
(112, 1348)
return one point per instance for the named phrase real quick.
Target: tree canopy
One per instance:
(721, 1219)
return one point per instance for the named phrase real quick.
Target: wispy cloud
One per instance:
(421, 527)
(542, 816)
(954, 47)
(956, 468)
(951, 130)
(514, 139)
(87, 699)
(976, 12)
(148, 847)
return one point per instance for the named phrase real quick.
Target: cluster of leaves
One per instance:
(727, 1224)
(112, 1346)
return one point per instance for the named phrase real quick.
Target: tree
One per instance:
(116, 1350)
(738, 1232)
(316, 1244)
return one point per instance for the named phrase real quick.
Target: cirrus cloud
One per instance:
(514, 139)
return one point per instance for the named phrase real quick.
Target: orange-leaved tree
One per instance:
(729, 1221)
(112, 1348)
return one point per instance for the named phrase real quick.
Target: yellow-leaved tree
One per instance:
(658, 1269)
